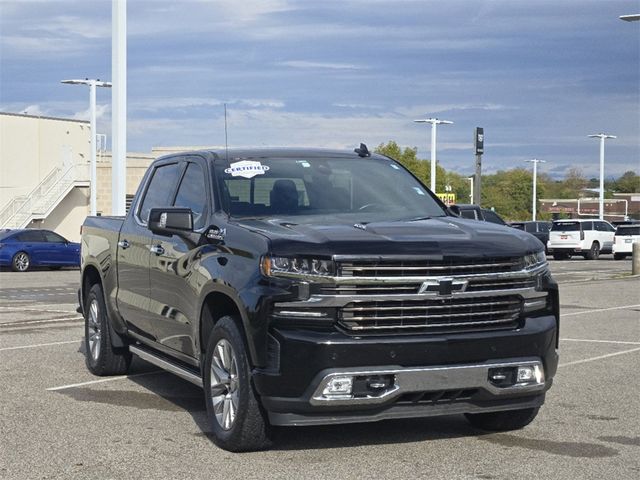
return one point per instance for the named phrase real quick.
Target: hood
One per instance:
(440, 236)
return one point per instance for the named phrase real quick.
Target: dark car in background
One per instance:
(27, 248)
(475, 212)
(538, 229)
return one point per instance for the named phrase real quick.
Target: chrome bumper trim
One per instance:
(423, 379)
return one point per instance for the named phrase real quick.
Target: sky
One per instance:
(538, 76)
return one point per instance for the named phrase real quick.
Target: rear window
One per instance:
(627, 230)
(519, 226)
(543, 227)
(565, 227)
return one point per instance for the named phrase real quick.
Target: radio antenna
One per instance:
(226, 141)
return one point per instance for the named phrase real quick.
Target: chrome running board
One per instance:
(171, 367)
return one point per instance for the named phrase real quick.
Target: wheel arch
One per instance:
(218, 303)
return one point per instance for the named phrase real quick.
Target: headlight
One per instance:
(285, 266)
(535, 259)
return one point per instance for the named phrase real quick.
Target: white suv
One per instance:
(625, 237)
(588, 238)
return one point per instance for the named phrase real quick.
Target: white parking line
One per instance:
(598, 310)
(38, 345)
(619, 342)
(600, 357)
(31, 322)
(102, 380)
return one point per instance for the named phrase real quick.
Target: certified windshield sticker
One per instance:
(419, 191)
(246, 169)
(394, 166)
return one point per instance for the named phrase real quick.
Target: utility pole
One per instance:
(119, 106)
(94, 136)
(471, 193)
(602, 137)
(534, 200)
(434, 123)
(478, 143)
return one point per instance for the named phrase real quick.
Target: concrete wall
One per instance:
(31, 147)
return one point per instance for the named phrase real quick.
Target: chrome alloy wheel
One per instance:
(22, 262)
(224, 384)
(94, 332)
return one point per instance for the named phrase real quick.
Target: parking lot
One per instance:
(59, 421)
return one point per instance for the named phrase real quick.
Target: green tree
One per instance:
(629, 182)
(509, 192)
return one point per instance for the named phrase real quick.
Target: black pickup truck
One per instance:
(304, 287)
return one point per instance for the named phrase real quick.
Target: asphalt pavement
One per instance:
(59, 421)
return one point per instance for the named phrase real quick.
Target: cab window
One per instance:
(159, 193)
(192, 194)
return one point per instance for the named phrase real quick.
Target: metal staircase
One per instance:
(46, 196)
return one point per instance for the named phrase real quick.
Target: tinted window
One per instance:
(493, 217)
(192, 194)
(519, 226)
(337, 189)
(30, 236)
(543, 227)
(53, 237)
(160, 190)
(628, 230)
(565, 227)
(587, 226)
(468, 214)
(530, 227)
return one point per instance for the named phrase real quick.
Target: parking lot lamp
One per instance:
(92, 114)
(602, 137)
(534, 201)
(434, 123)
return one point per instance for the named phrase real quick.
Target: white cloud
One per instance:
(320, 65)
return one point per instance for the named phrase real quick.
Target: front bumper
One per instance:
(435, 374)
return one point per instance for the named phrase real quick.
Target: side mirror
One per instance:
(169, 221)
(454, 210)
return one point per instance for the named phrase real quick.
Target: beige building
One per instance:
(44, 172)
(45, 178)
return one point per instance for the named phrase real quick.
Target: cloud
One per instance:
(102, 110)
(304, 64)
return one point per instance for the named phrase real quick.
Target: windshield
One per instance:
(565, 227)
(349, 189)
(628, 230)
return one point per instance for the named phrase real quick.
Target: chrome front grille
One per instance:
(423, 268)
(474, 285)
(432, 314)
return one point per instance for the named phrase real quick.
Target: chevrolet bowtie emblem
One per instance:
(443, 286)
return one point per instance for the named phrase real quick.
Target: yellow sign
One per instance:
(448, 198)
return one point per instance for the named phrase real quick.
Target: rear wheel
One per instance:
(503, 421)
(237, 420)
(594, 252)
(618, 256)
(21, 262)
(101, 357)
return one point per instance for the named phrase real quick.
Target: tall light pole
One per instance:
(93, 83)
(535, 162)
(602, 137)
(434, 125)
(119, 106)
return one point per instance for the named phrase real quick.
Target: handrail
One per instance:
(11, 208)
(26, 203)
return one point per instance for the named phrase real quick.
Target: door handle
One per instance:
(157, 249)
(124, 244)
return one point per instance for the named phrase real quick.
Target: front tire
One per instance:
(237, 420)
(502, 421)
(21, 262)
(101, 357)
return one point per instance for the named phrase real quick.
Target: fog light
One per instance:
(338, 386)
(530, 374)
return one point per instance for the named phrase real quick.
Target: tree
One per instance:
(629, 182)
